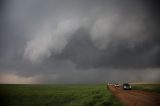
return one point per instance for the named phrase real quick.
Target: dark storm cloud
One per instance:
(77, 41)
(82, 52)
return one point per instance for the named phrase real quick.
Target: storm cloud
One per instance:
(79, 41)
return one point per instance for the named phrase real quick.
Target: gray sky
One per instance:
(79, 41)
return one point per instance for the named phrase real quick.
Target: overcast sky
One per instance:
(79, 41)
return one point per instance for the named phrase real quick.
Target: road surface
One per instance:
(135, 97)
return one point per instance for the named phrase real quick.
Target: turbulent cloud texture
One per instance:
(79, 41)
(48, 40)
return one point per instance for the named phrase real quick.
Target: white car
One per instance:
(116, 85)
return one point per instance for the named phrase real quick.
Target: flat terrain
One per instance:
(56, 95)
(136, 97)
(147, 87)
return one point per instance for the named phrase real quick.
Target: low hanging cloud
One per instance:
(48, 40)
(115, 27)
(79, 41)
(103, 27)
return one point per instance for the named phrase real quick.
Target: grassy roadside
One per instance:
(147, 87)
(56, 95)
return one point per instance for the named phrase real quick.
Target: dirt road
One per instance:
(135, 97)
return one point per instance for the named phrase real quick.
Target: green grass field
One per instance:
(147, 87)
(56, 95)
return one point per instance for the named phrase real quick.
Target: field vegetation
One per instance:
(147, 87)
(56, 95)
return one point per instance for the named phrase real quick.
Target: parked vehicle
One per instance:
(127, 86)
(116, 85)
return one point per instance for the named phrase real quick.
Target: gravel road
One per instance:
(135, 97)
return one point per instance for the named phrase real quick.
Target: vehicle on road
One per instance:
(116, 85)
(127, 86)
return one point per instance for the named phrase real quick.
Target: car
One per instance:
(127, 86)
(116, 85)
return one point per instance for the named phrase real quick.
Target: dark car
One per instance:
(127, 86)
